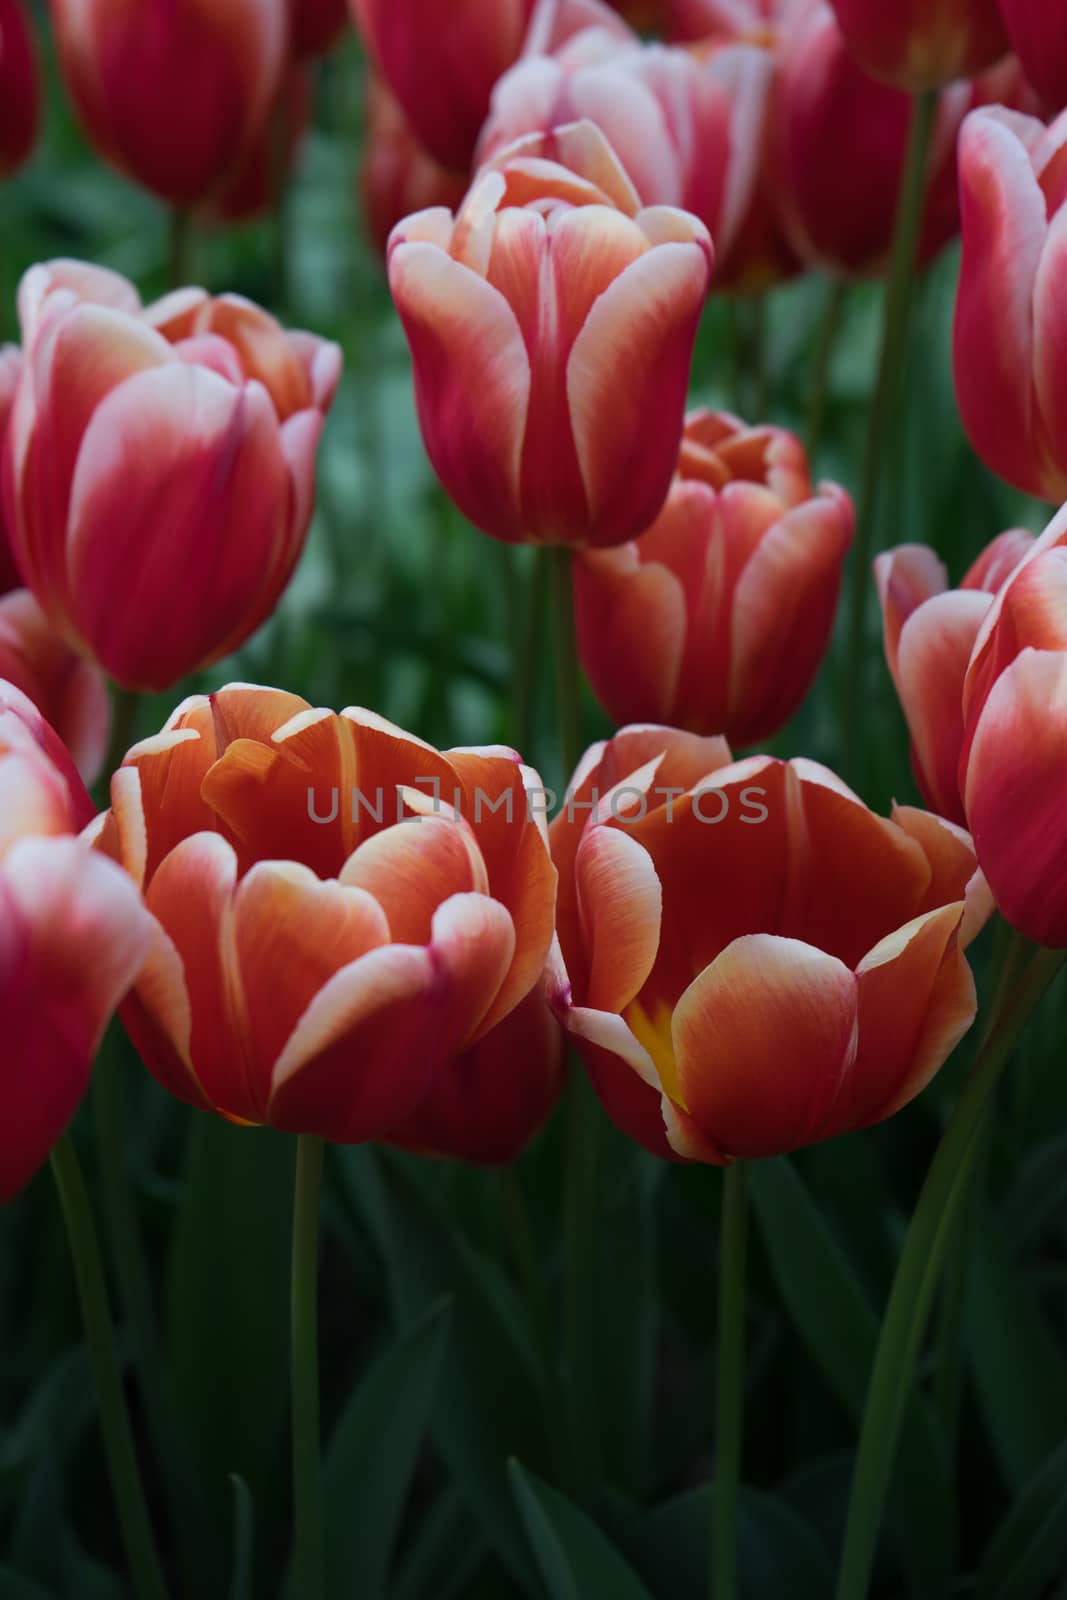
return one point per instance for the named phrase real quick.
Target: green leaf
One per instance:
(244, 1527)
(1038, 1196)
(14, 1587)
(574, 1558)
(1018, 1364)
(1029, 1549)
(444, 1553)
(372, 1456)
(840, 1331)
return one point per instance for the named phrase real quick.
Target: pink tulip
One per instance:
(10, 372)
(1011, 324)
(921, 44)
(72, 937)
(69, 691)
(160, 479)
(551, 324)
(19, 88)
(1013, 770)
(930, 631)
(1038, 33)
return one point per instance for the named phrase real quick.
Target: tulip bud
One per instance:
(10, 372)
(921, 44)
(161, 467)
(1038, 33)
(1010, 318)
(717, 619)
(69, 691)
(19, 89)
(315, 26)
(754, 961)
(397, 177)
(72, 932)
(393, 903)
(1013, 770)
(551, 325)
(133, 71)
(930, 631)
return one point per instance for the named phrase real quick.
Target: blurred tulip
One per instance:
(137, 72)
(686, 129)
(333, 926)
(10, 372)
(841, 144)
(397, 177)
(718, 618)
(258, 184)
(19, 89)
(1038, 33)
(72, 936)
(161, 467)
(1013, 770)
(68, 690)
(485, 1105)
(315, 26)
(696, 20)
(756, 962)
(930, 631)
(922, 44)
(551, 324)
(1011, 320)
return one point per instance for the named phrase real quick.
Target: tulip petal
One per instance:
(619, 600)
(935, 647)
(412, 868)
(956, 874)
(622, 1074)
(620, 903)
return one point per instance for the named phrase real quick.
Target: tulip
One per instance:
(551, 324)
(397, 176)
(930, 632)
(340, 908)
(485, 1105)
(754, 961)
(1013, 769)
(315, 26)
(921, 44)
(161, 467)
(70, 692)
(258, 183)
(1010, 320)
(841, 142)
(19, 89)
(718, 618)
(136, 73)
(687, 130)
(1038, 33)
(72, 936)
(10, 372)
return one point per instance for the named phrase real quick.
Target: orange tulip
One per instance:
(69, 691)
(161, 467)
(920, 44)
(756, 962)
(718, 618)
(72, 935)
(19, 88)
(485, 1105)
(10, 372)
(136, 72)
(551, 325)
(397, 176)
(1013, 770)
(340, 909)
(930, 632)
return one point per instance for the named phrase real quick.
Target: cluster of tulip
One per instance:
(746, 959)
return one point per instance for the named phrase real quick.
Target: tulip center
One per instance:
(654, 1034)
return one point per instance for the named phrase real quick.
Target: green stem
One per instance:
(123, 723)
(100, 1336)
(581, 1233)
(180, 256)
(917, 1275)
(309, 1557)
(528, 622)
(822, 363)
(568, 679)
(896, 317)
(730, 1388)
(749, 324)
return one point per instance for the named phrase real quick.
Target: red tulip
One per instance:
(1013, 770)
(397, 176)
(19, 88)
(485, 1105)
(695, 20)
(69, 691)
(315, 26)
(10, 372)
(921, 44)
(341, 909)
(258, 183)
(551, 324)
(161, 467)
(930, 632)
(72, 936)
(686, 129)
(717, 619)
(1038, 33)
(172, 94)
(1010, 321)
(756, 962)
